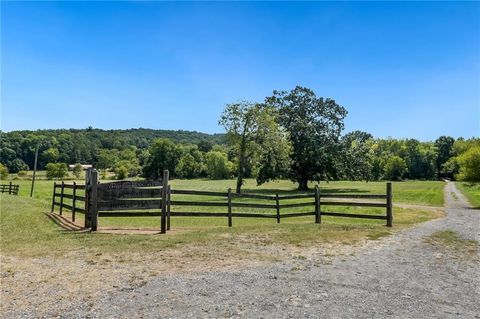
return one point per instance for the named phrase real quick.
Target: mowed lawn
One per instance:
(471, 191)
(26, 229)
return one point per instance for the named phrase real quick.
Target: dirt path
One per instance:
(402, 276)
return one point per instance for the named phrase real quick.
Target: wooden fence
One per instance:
(73, 193)
(154, 198)
(9, 188)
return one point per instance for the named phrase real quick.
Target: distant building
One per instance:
(84, 166)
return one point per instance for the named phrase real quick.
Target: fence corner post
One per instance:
(318, 211)
(277, 204)
(91, 188)
(229, 207)
(163, 219)
(61, 197)
(10, 188)
(389, 205)
(53, 196)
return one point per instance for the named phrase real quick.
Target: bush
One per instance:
(17, 165)
(56, 170)
(469, 163)
(3, 172)
(121, 172)
(77, 170)
(395, 168)
(22, 173)
(188, 167)
(218, 166)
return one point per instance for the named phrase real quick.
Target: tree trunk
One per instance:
(239, 183)
(303, 184)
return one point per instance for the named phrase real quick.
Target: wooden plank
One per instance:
(354, 204)
(129, 184)
(298, 196)
(251, 205)
(200, 214)
(53, 196)
(298, 214)
(118, 193)
(192, 192)
(353, 196)
(70, 186)
(192, 203)
(61, 197)
(253, 196)
(354, 215)
(71, 196)
(121, 204)
(229, 203)
(169, 212)
(389, 205)
(318, 216)
(129, 214)
(74, 200)
(254, 215)
(297, 205)
(163, 218)
(93, 211)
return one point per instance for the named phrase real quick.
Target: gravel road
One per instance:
(401, 276)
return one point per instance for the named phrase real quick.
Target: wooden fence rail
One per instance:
(153, 198)
(11, 189)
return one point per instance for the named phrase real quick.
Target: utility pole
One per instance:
(34, 169)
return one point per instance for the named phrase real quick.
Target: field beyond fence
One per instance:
(157, 198)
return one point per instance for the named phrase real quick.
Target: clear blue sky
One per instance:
(401, 69)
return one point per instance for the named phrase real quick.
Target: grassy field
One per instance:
(428, 193)
(26, 230)
(471, 191)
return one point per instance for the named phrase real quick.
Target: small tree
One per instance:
(469, 163)
(56, 170)
(164, 154)
(395, 168)
(188, 167)
(77, 170)
(121, 172)
(218, 166)
(3, 172)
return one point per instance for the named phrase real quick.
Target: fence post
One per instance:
(277, 201)
(53, 196)
(61, 198)
(318, 211)
(10, 188)
(229, 207)
(389, 205)
(163, 220)
(91, 189)
(73, 200)
(168, 207)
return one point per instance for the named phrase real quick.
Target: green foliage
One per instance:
(56, 170)
(395, 168)
(17, 165)
(77, 170)
(3, 172)
(189, 167)
(444, 145)
(358, 159)
(218, 166)
(469, 164)
(164, 154)
(22, 173)
(50, 155)
(256, 139)
(314, 125)
(121, 172)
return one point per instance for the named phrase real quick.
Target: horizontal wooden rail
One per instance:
(77, 186)
(252, 205)
(192, 203)
(354, 215)
(297, 196)
(254, 215)
(253, 196)
(199, 214)
(353, 196)
(191, 192)
(129, 214)
(120, 204)
(69, 196)
(297, 205)
(354, 204)
(297, 214)
(81, 210)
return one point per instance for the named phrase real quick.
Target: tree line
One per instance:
(291, 134)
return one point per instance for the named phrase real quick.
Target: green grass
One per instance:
(471, 191)
(452, 240)
(428, 193)
(26, 230)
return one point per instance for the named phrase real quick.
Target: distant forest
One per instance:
(82, 145)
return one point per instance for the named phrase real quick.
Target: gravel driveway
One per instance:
(401, 276)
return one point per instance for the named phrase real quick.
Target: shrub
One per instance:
(218, 166)
(56, 170)
(3, 172)
(22, 173)
(121, 172)
(395, 168)
(469, 163)
(77, 170)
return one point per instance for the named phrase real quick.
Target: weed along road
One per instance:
(428, 271)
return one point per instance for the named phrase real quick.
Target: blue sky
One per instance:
(401, 69)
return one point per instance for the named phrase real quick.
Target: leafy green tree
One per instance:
(444, 145)
(205, 146)
(50, 155)
(395, 168)
(313, 125)
(56, 170)
(189, 167)
(17, 165)
(77, 170)
(357, 156)
(469, 163)
(3, 172)
(256, 139)
(164, 154)
(121, 172)
(218, 166)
